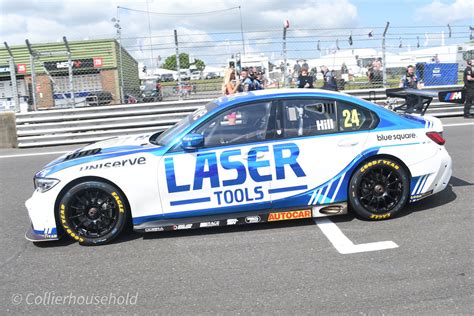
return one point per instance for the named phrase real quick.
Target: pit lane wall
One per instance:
(86, 125)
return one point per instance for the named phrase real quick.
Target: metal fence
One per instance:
(85, 125)
(183, 64)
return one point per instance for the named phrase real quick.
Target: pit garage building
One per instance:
(95, 68)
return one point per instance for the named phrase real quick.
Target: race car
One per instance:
(255, 157)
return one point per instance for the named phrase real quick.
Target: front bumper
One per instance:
(41, 213)
(38, 235)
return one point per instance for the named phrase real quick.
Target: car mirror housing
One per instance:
(192, 141)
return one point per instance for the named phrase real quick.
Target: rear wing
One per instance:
(424, 97)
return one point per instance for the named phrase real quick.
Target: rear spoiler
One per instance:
(425, 97)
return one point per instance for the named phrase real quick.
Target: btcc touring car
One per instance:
(254, 157)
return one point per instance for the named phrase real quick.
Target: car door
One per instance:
(230, 172)
(318, 142)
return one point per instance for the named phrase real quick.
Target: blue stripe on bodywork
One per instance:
(79, 161)
(190, 201)
(288, 189)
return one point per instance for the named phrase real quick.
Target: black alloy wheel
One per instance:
(93, 213)
(379, 189)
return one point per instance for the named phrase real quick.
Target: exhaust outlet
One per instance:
(327, 210)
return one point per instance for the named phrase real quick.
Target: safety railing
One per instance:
(85, 125)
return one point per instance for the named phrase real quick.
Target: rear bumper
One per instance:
(432, 181)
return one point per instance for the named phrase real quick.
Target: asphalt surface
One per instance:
(279, 268)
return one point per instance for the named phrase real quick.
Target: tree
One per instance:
(170, 62)
(200, 65)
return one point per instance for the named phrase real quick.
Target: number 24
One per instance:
(351, 118)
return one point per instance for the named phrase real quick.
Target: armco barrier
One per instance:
(85, 125)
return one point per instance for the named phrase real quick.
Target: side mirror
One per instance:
(192, 141)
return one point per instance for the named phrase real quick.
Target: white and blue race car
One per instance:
(256, 157)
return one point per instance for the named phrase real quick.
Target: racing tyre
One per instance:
(93, 213)
(379, 189)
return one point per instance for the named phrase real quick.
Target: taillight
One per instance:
(436, 137)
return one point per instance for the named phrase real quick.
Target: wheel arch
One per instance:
(85, 179)
(381, 156)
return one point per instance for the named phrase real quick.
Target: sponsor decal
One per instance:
(453, 96)
(183, 226)
(232, 221)
(154, 229)
(380, 216)
(252, 219)
(417, 197)
(116, 164)
(255, 168)
(119, 202)
(62, 65)
(399, 136)
(50, 233)
(239, 195)
(283, 216)
(380, 161)
(210, 224)
(62, 217)
(21, 68)
(98, 62)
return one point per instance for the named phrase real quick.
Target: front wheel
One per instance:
(93, 212)
(379, 189)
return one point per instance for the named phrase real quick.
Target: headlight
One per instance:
(44, 184)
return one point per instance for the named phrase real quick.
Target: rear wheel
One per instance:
(379, 189)
(93, 212)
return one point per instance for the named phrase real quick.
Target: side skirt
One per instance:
(241, 218)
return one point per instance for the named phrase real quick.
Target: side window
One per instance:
(308, 117)
(241, 124)
(354, 118)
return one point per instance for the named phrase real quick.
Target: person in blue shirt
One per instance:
(329, 80)
(247, 83)
(410, 81)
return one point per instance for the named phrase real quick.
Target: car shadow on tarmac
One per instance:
(440, 199)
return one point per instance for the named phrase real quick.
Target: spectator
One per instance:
(344, 69)
(259, 82)
(246, 83)
(376, 77)
(468, 78)
(296, 68)
(435, 59)
(230, 85)
(410, 81)
(305, 65)
(304, 79)
(329, 80)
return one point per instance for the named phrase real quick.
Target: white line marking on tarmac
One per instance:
(458, 124)
(35, 154)
(343, 244)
